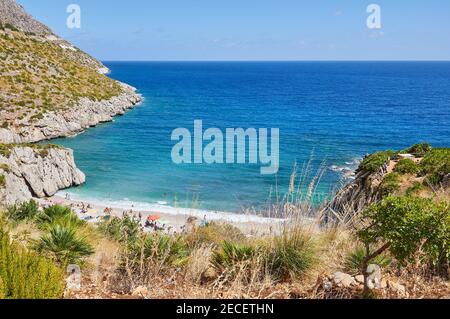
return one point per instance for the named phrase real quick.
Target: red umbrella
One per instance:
(153, 218)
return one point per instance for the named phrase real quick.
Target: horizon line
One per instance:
(195, 60)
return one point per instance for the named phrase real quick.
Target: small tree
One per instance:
(404, 226)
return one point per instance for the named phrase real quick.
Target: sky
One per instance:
(252, 29)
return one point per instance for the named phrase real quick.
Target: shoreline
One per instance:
(171, 217)
(85, 115)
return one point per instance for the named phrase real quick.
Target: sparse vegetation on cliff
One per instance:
(373, 163)
(37, 77)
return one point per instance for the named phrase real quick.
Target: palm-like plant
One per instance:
(58, 215)
(63, 244)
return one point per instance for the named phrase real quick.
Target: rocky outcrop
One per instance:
(71, 122)
(13, 14)
(27, 172)
(356, 196)
(36, 172)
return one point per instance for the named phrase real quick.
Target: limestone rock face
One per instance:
(30, 172)
(12, 13)
(74, 121)
(356, 196)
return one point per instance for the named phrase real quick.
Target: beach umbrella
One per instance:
(153, 218)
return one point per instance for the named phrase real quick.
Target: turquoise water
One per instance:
(332, 112)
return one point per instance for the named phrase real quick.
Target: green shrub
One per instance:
(25, 275)
(355, 260)
(164, 249)
(284, 257)
(64, 245)
(58, 215)
(435, 165)
(2, 289)
(402, 225)
(290, 255)
(124, 230)
(215, 234)
(390, 184)
(374, 162)
(24, 211)
(419, 150)
(2, 181)
(406, 166)
(230, 254)
(416, 187)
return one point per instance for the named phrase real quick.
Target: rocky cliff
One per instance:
(48, 89)
(13, 14)
(72, 121)
(356, 196)
(421, 171)
(30, 171)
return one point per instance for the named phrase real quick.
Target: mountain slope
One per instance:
(48, 87)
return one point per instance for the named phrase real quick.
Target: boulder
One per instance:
(344, 280)
(397, 288)
(33, 172)
(374, 278)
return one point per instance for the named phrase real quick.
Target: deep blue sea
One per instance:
(327, 112)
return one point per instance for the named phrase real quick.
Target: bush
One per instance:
(390, 184)
(215, 234)
(164, 249)
(435, 164)
(374, 162)
(58, 215)
(285, 257)
(403, 225)
(406, 166)
(24, 211)
(290, 255)
(124, 230)
(64, 245)
(230, 254)
(25, 275)
(355, 260)
(419, 150)
(2, 289)
(416, 187)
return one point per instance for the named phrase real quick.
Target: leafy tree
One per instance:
(403, 226)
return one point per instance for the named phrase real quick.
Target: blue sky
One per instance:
(252, 29)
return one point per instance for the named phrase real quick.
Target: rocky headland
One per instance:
(36, 171)
(48, 89)
(85, 114)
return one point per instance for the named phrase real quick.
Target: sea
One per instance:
(329, 115)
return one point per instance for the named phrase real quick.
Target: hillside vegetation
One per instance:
(38, 76)
(398, 247)
(424, 172)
